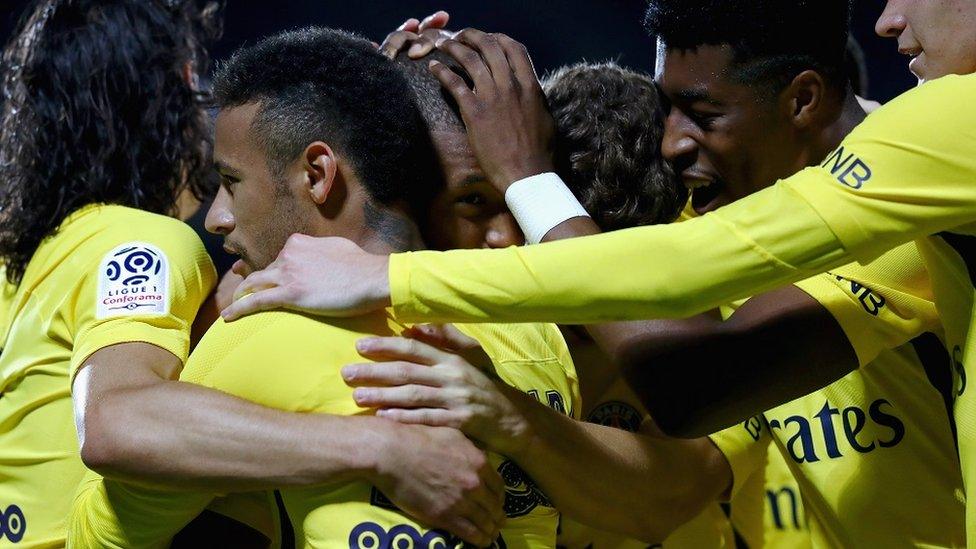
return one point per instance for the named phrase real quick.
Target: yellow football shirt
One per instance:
(110, 275)
(607, 400)
(906, 172)
(873, 453)
(784, 525)
(292, 362)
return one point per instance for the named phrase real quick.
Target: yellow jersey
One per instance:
(873, 453)
(906, 172)
(607, 400)
(784, 525)
(109, 275)
(292, 362)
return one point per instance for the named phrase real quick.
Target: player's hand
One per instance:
(439, 477)
(415, 382)
(421, 36)
(506, 114)
(323, 276)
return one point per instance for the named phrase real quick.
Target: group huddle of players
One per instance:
(802, 346)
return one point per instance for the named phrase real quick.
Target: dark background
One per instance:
(555, 31)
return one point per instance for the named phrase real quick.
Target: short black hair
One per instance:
(320, 84)
(609, 127)
(437, 106)
(772, 40)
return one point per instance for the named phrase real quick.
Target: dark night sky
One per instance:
(555, 31)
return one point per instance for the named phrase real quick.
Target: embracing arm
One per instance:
(138, 423)
(699, 375)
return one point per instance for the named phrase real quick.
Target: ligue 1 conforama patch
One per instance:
(133, 279)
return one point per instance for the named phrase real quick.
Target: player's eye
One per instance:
(473, 199)
(228, 181)
(704, 120)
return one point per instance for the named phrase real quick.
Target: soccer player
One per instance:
(103, 126)
(471, 213)
(881, 432)
(898, 176)
(337, 148)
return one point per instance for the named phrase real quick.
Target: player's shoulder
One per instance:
(99, 229)
(900, 269)
(123, 223)
(287, 332)
(935, 105)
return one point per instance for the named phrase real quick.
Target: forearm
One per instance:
(648, 272)
(700, 375)
(179, 434)
(623, 482)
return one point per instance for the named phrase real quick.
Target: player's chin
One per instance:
(242, 268)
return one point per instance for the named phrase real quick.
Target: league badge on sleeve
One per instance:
(133, 279)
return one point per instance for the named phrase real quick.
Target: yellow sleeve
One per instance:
(145, 289)
(117, 515)
(744, 446)
(906, 172)
(879, 306)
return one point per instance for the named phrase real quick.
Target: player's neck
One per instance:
(387, 231)
(851, 115)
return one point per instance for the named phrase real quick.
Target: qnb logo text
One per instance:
(835, 432)
(13, 524)
(847, 168)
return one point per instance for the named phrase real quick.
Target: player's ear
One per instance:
(803, 99)
(321, 167)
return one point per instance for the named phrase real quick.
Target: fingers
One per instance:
(396, 41)
(410, 25)
(483, 515)
(469, 532)
(434, 417)
(493, 481)
(390, 374)
(263, 300)
(454, 84)
(472, 63)
(444, 336)
(405, 396)
(401, 348)
(436, 20)
(489, 48)
(519, 61)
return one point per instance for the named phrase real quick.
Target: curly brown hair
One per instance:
(97, 110)
(609, 127)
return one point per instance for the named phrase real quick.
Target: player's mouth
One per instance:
(915, 55)
(706, 191)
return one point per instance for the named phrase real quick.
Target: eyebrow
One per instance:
(474, 179)
(694, 95)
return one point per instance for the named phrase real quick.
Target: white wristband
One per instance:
(541, 202)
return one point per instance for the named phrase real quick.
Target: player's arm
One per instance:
(612, 471)
(700, 374)
(897, 177)
(137, 422)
